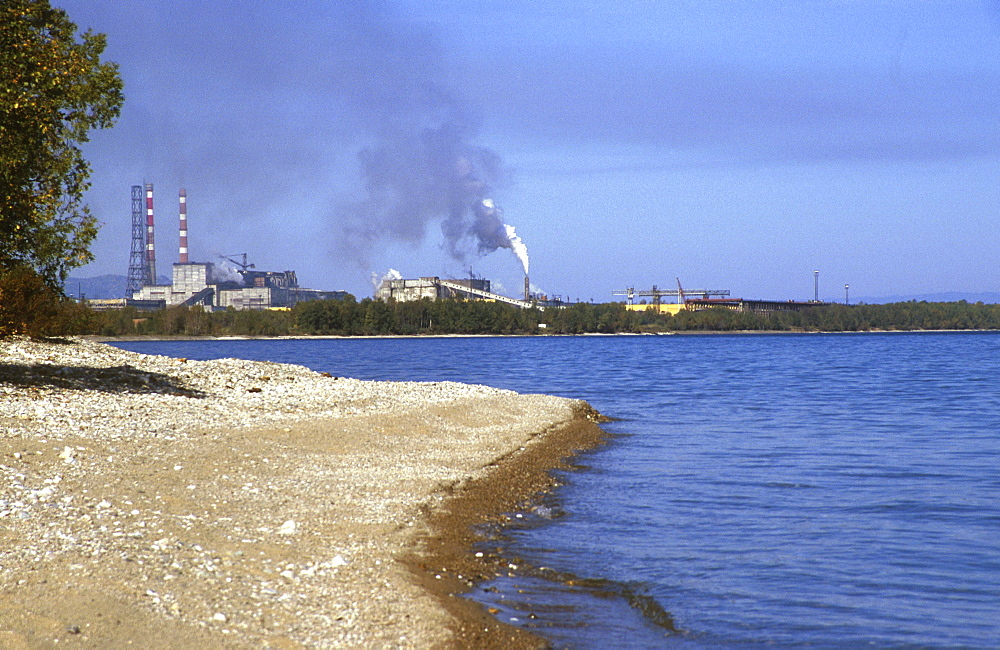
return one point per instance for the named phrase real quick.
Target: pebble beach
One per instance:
(160, 502)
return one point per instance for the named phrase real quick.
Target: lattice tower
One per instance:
(138, 269)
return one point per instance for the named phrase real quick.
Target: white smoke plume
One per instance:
(492, 233)
(221, 273)
(517, 246)
(391, 274)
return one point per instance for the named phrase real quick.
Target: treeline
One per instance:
(372, 317)
(365, 318)
(900, 316)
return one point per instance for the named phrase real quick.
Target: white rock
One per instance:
(287, 528)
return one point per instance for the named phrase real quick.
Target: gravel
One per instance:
(157, 501)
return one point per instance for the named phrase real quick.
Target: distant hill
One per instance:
(101, 287)
(988, 297)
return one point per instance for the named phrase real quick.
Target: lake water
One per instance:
(759, 490)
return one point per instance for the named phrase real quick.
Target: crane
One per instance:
(657, 293)
(243, 265)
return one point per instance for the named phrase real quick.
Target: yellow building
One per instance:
(734, 304)
(663, 308)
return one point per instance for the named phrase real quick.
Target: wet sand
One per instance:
(447, 565)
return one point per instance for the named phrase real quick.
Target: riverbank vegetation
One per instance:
(54, 90)
(374, 318)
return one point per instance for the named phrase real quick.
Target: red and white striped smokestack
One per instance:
(184, 227)
(150, 248)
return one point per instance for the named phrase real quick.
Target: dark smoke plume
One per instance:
(432, 176)
(421, 166)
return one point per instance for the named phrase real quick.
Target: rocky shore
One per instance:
(152, 501)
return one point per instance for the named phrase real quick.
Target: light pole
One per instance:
(847, 295)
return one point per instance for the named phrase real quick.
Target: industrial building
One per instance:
(699, 299)
(198, 283)
(434, 288)
(735, 304)
(402, 290)
(204, 283)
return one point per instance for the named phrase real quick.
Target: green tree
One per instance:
(54, 90)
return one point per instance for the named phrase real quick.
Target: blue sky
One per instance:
(735, 145)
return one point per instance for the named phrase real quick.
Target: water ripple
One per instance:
(830, 490)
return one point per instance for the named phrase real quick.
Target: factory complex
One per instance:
(197, 283)
(699, 299)
(203, 284)
(214, 286)
(733, 304)
(434, 288)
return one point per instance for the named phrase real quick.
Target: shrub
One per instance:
(28, 306)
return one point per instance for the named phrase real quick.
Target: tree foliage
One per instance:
(54, 90)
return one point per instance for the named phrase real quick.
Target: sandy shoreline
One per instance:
(153, 501)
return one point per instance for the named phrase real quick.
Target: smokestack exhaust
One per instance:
(150, 247)
(184, 227)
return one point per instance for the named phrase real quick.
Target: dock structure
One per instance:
(683, 296)
(699, 299)
(734, 304)
(658, 294)
(754, 305)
